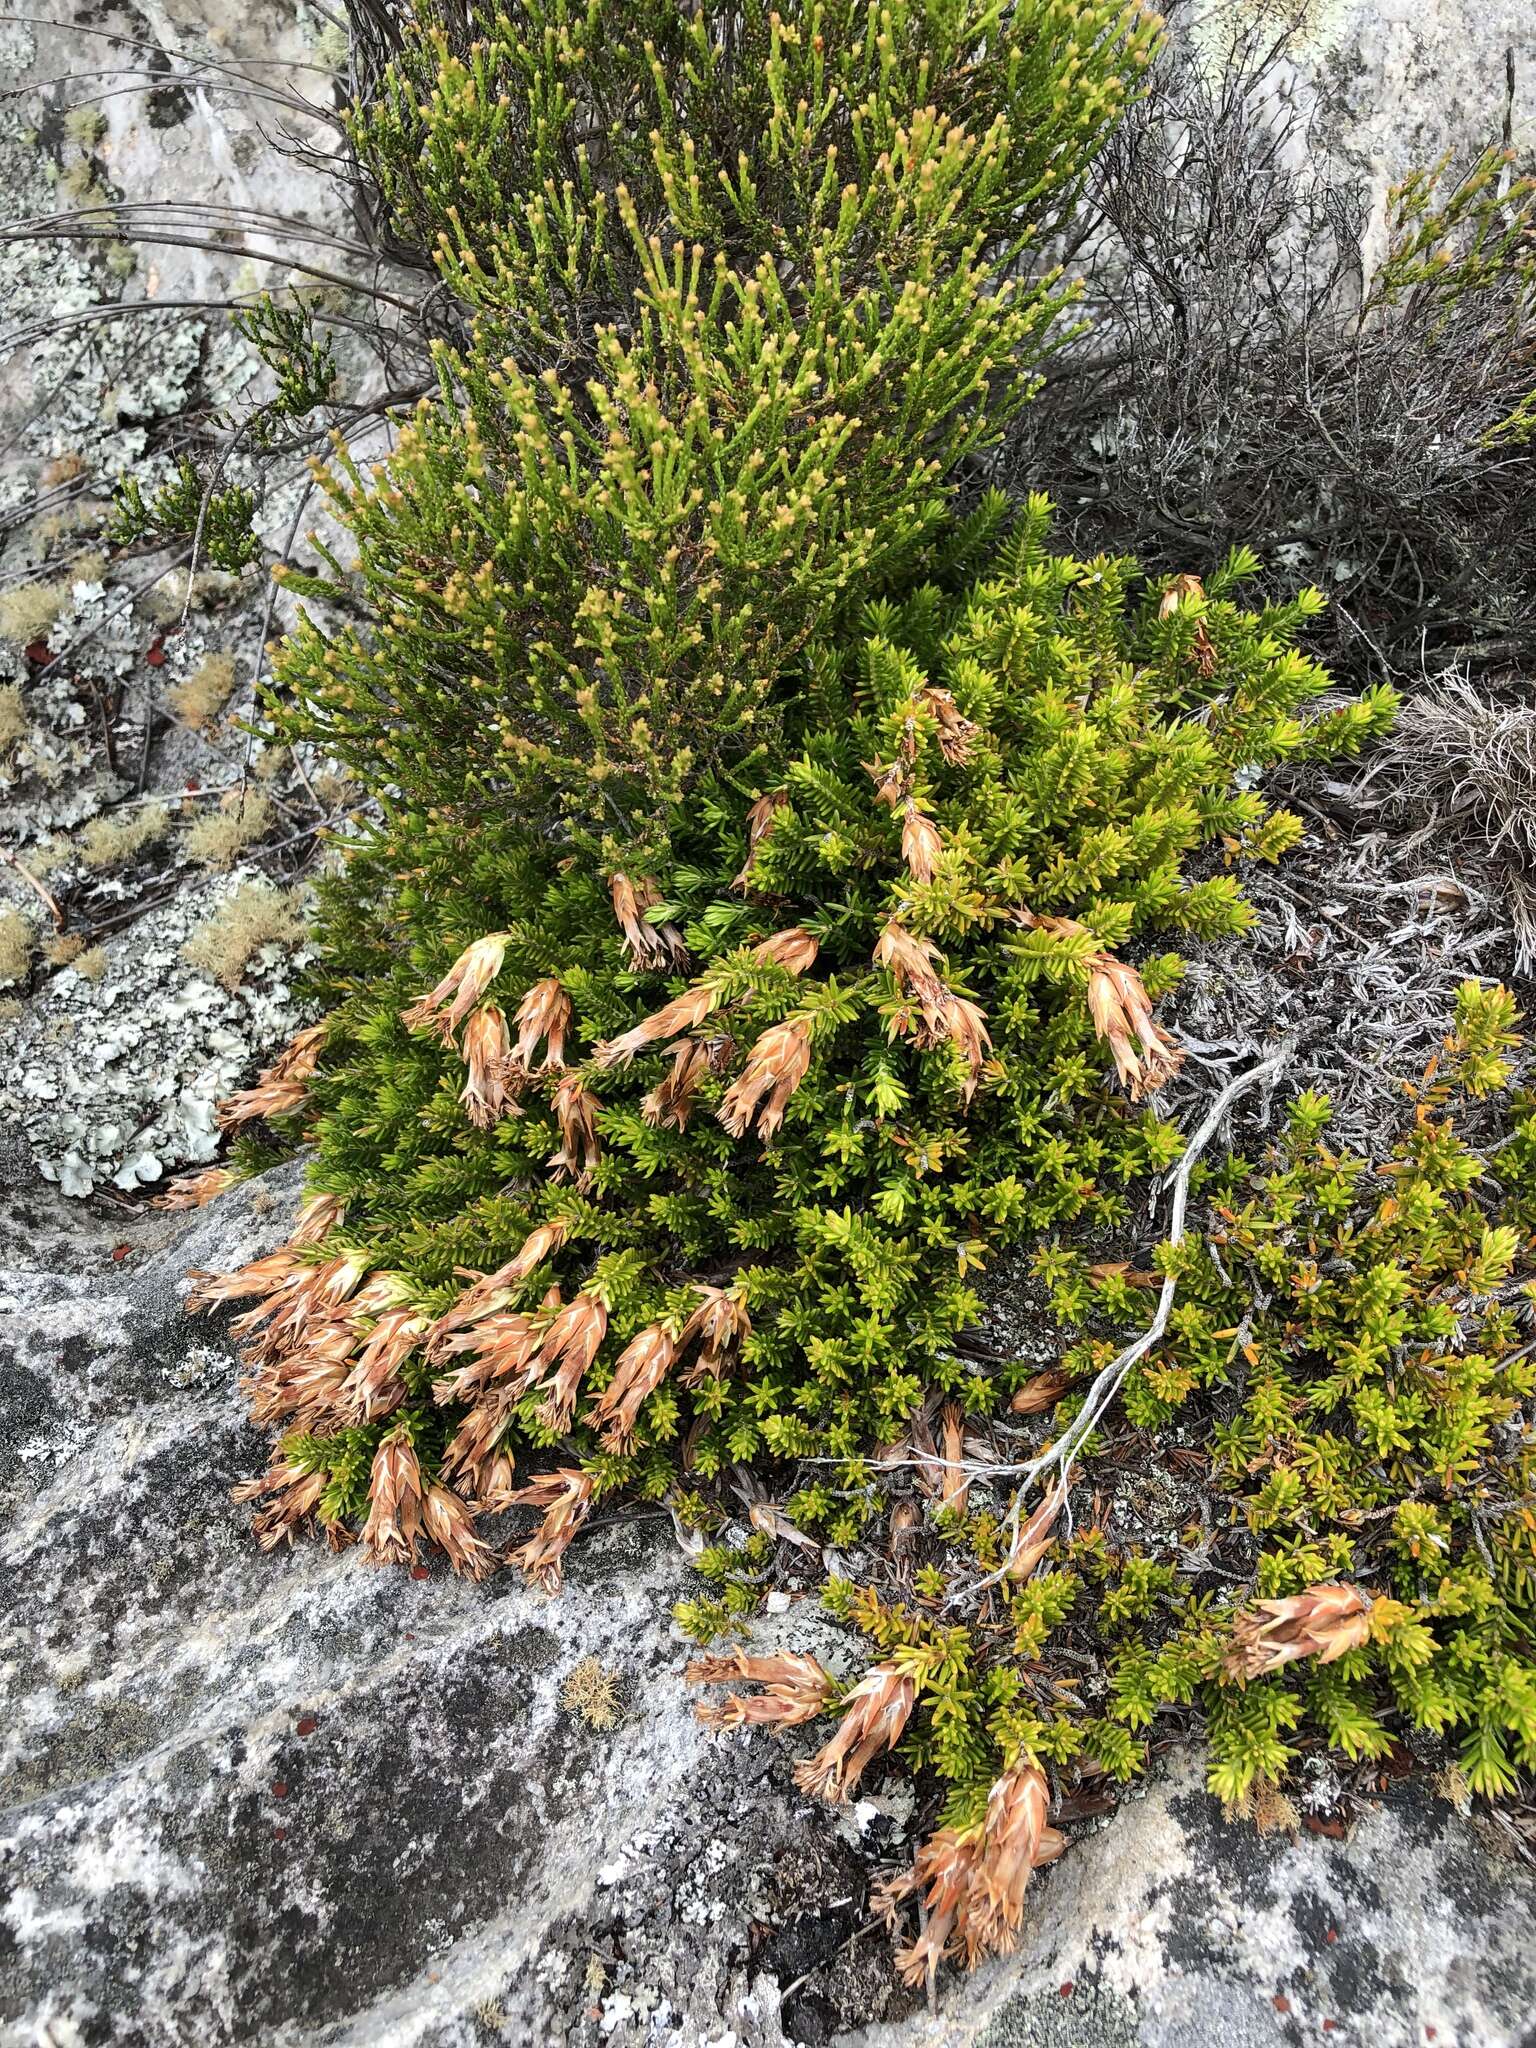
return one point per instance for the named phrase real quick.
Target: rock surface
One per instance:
(292, 1800)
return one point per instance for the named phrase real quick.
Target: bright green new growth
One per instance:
(765, 284)
(1349, 1356)
(980, 801)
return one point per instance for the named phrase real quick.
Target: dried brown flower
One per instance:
(487, 1049)
(393, 1528)
(642, 1365)
(281, 1087)
(494, 1290)
(460, 988)
(649, 945)
(873, 1717)
(569, 1346)
(192, 1190)
(957, 733)
(760, 820)
(450, 1525)
(545, 1014)
(793, 949)
(1323, 1622)
(566, 1498)
(796, 1689)
(576, 1111)
(719, 1325)
(683, 1013)
(775, 1067)
(921, 845)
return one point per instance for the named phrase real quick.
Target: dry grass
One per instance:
(14, 722)
(1459, 771)
(594, 1695)
(30, 612)
(17, 942)
(201, 696)
(223, 830)
(115, 839)
(257, 914)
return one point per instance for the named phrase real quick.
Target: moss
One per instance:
(14, 723)
(594, 1695)
(60, 951)
(18, 941)
(30, 611)
(85, 126)
(91, 965)
(257, 914)
(199, 698)
(117, 837)
(221, 831)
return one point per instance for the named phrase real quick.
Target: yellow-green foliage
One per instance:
(14, 723)
(28, 612)
(17, 942)
(257, 914)
(222, 830)
(199, 698)
(117, 837)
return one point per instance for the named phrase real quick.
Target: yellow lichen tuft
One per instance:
(17, 941)
(116, 838)
(91, 965)
(257, 914)
(238, 820)
(201, 696)
(594, 1695)
(30, 612)
(14, 722)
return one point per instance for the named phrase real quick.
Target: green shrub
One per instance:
(759, 1115)
(1349, 1356)
(766, 283)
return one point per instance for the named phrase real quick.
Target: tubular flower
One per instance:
(671, 1100)
(760, 819)
(913, 963)
(544, 1014)
(942, 1870)
(460, 988)
(494, 1290)
(648, 945)
(306, 1387)
(796, 1689)
(642, 1366)
(1323, 1622)
(792, 949)
(890, 780)
(775, 1067)
(451, 1526)
(487, 1052)
(921, 845)
(304, 1305)
(1042, 1391)
(566, 1498)
(957, 734)
(874, 1715)
(280, 1087)
(570, 1344)
(1010, 1849)
(318, 1216)
(393, 1528)
(683, 1013)
(493, 1484)
(1173, 597)
(374, 1386)
(1036, 1537)
(720, 1325)
(192, 1190)
(261, 1276)
(298, 1496)
(1145, 1056)
(576, 1111)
